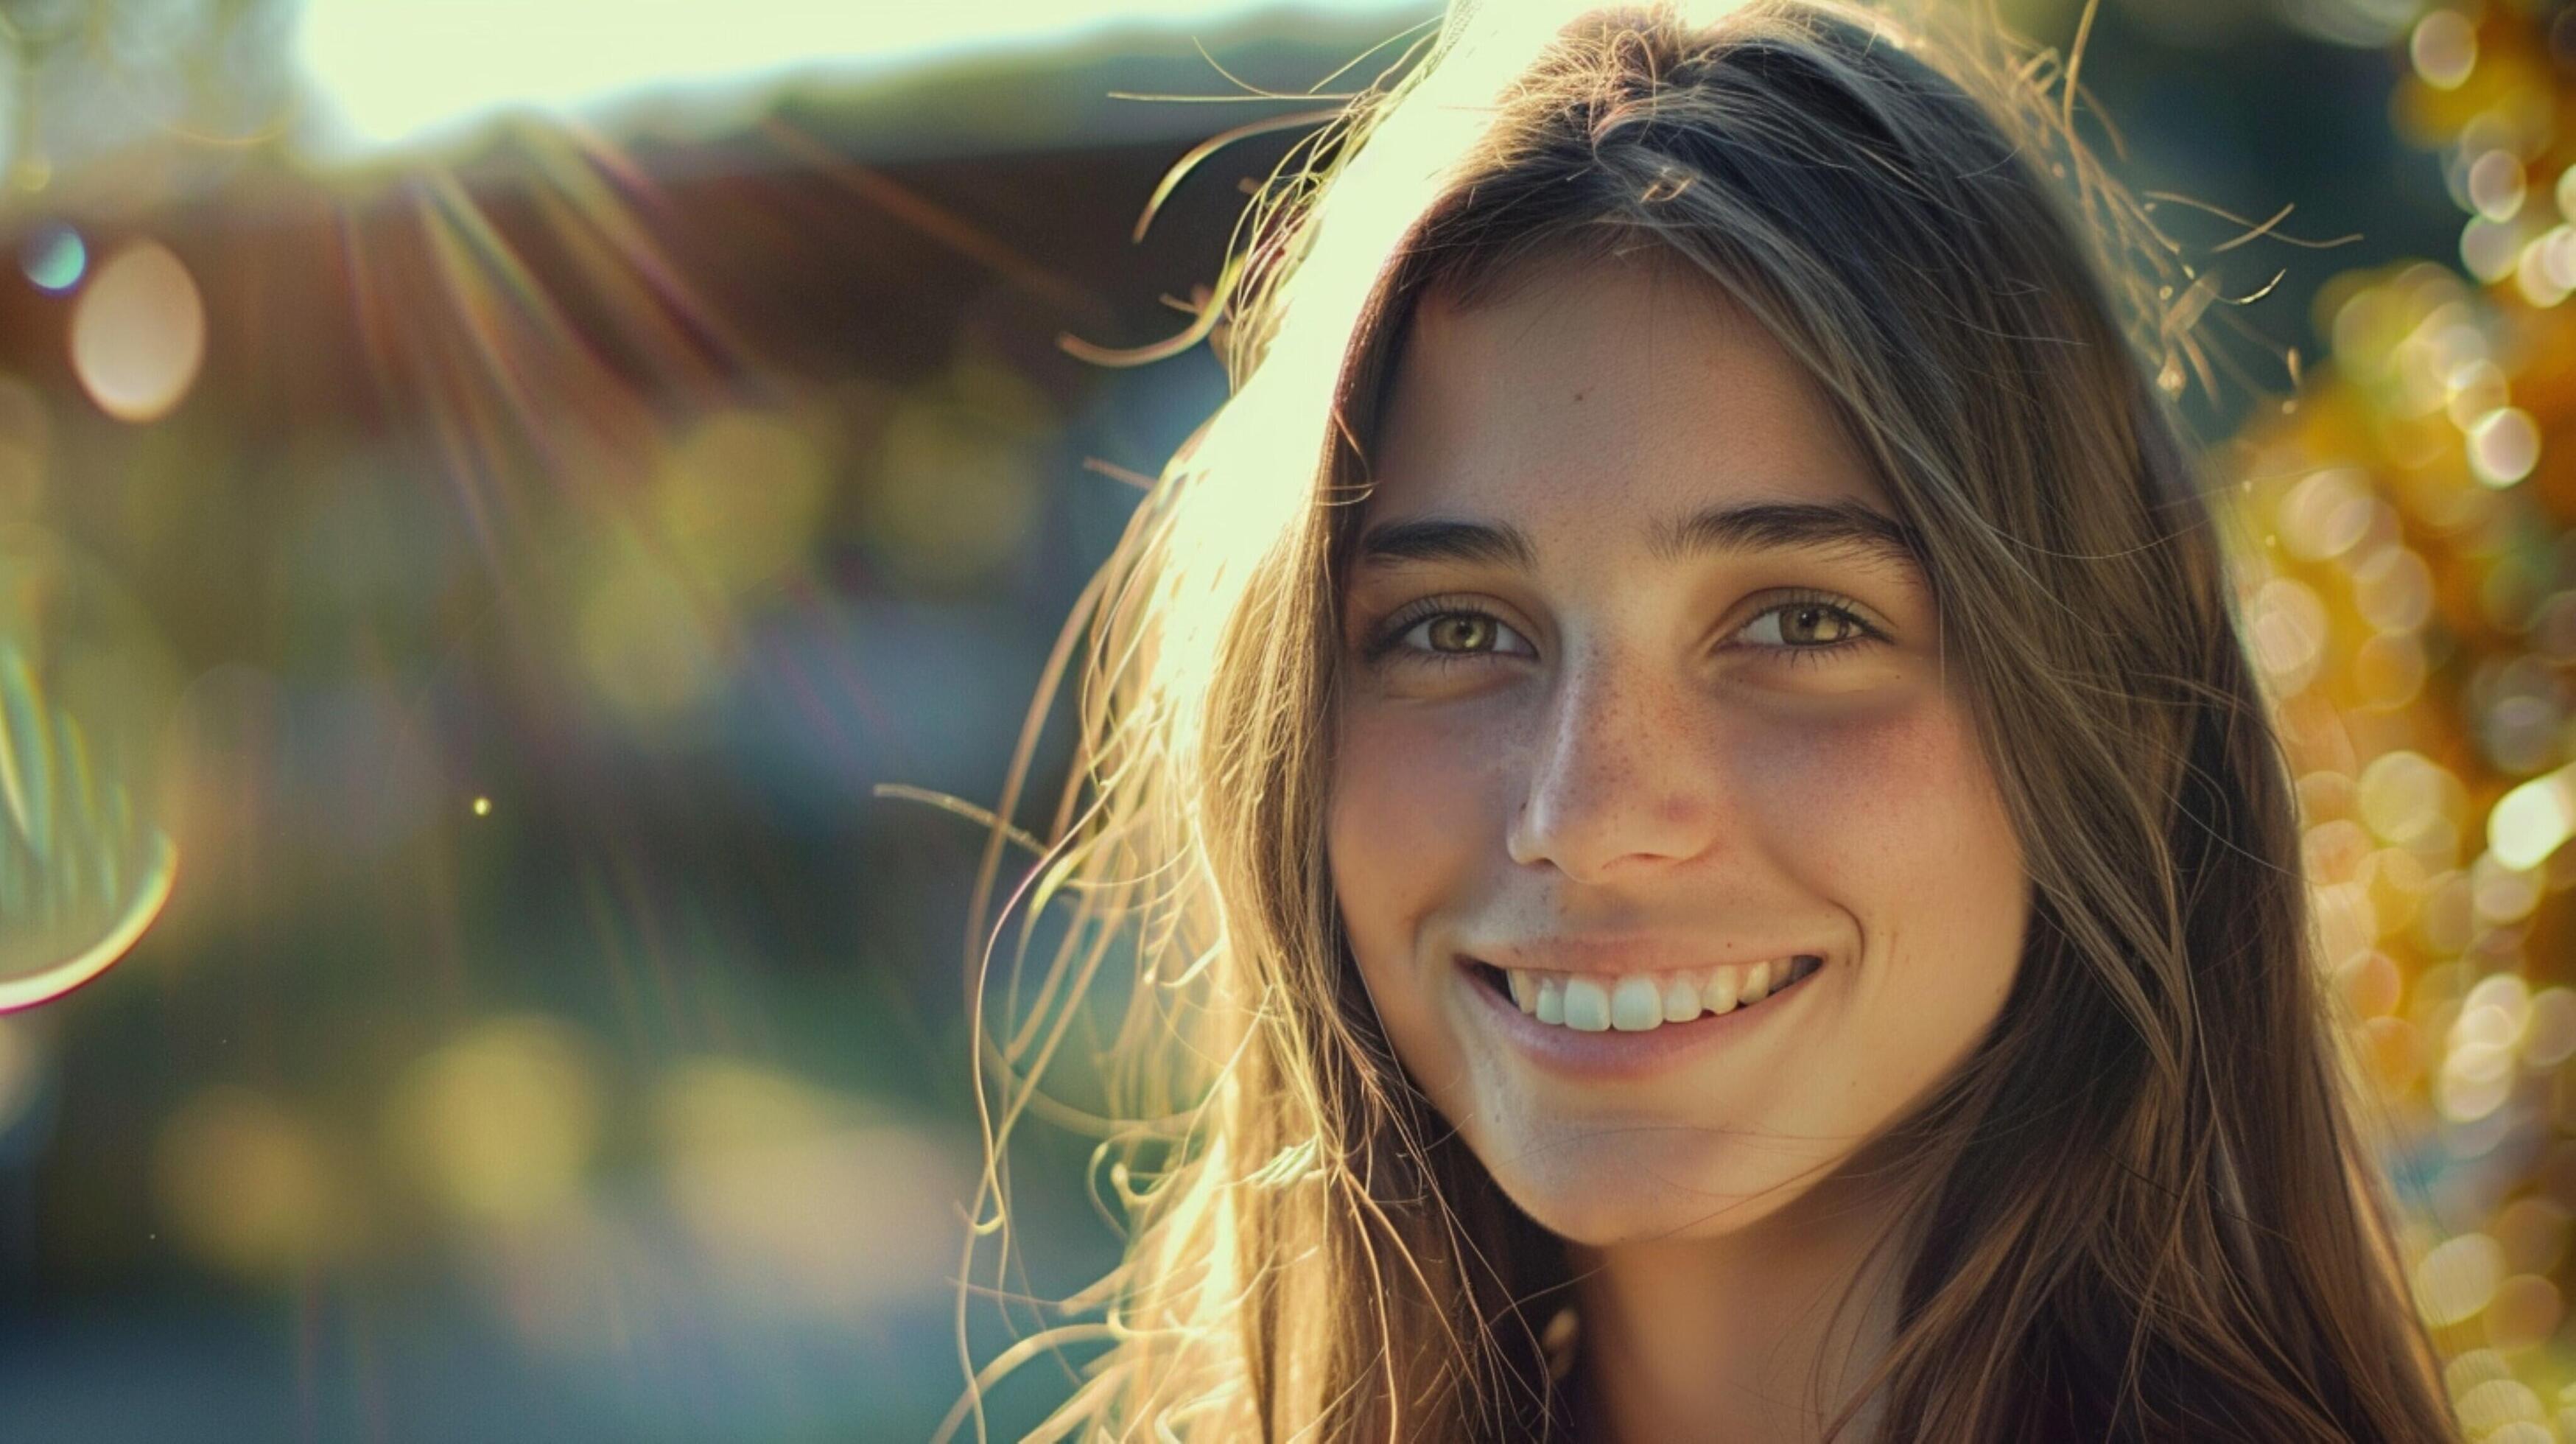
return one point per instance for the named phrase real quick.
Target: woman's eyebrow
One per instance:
(1739, 526)
(1753, 526)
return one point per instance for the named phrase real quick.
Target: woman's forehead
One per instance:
(1601, 393)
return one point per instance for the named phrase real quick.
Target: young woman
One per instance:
(1702, 857)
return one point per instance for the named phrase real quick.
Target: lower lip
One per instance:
(1612, 1054)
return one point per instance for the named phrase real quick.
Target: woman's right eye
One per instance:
(1453, 634)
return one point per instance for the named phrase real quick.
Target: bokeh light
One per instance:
(2504, 445)
(139, 333)
(54, 257)
(245, 1183)
(2533, 820)
(2526, 1310)
(2426, 521)
(2495, 185)
(2288, 632)
(797, 1197)
(2498, 1405)
(653, 646)
(2444, 48)
(740, 497)
(501, 1123)
(957, 493)
(2458, 1278)
(2326, 514)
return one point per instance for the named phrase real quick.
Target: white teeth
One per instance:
(1636, 1005)
(1640, 1003)
(1587, 1005)
(1719, 995)
(1681, 999)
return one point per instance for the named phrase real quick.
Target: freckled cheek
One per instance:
(1403, 780)
(1411, 807)
(1888, 803)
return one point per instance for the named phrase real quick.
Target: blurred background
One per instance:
(489, 493)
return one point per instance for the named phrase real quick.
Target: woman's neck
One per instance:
(1744, 1338)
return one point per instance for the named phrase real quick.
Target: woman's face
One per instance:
(1645, 715)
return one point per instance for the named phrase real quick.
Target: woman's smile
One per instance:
(1616, 1026)
(1642, 1002)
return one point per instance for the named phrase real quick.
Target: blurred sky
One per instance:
(390, 74)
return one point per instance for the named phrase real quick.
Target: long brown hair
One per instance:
(2141, 1210)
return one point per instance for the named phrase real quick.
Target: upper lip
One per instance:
(1626, 955)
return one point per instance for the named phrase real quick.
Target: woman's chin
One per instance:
(1605, 1197)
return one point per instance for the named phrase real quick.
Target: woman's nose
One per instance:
(1621, 773)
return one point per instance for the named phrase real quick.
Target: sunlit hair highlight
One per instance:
(2141, 1210)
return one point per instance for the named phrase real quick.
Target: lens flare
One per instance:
(85, 867)
(81, 876)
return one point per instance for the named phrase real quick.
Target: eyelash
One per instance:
(1390, 637)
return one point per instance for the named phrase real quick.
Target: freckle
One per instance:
(1579, 395)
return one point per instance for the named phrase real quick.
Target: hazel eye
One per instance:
(1804, 624)
(1451, 634)
(1461, 632)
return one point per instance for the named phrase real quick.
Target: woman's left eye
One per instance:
(1805, 624)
